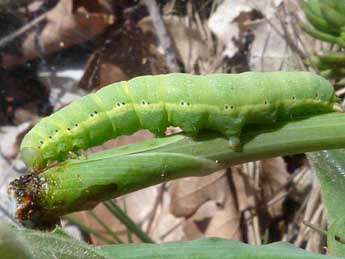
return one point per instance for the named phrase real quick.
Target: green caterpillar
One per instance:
(219, 102)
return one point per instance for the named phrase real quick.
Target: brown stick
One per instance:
(7, 39)
(163, 36)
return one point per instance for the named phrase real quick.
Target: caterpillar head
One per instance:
(33, 158)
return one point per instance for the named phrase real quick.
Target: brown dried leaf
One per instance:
(134, 51)
(196, 226)
(165, 226)
(138, 207)
(188, 194)
(212, 206)
(213, 219)
(21, 89)
(65, 25)
(110, 73)
(273, 181)
(226, 221)
(125, 52)
(186, 38)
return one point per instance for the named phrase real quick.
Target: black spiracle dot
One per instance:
(42, 142)
(267, 102)
(76, 125)
(50, 137)
(293, 97)
(95, 112)
(316, 94)
(119, 104)
(56, 131)
(91, 115)
(68, 129)
(143, 102)
(228, 107)
(183, 103)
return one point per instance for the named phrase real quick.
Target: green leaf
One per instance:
(329, 166)
(12, 245)
(42, 245)
(336, 238)
(81, 184)
(24, 243)
(208, 248)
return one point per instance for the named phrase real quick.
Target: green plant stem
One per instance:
(333, 57)
(81, 184)
(321, 35)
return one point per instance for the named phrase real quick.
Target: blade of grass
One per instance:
(129, 233)
(105, 227)
(127, 221)
(88, 229)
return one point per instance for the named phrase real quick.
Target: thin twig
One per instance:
(163, 36)
(263, 50)
(7, 39)
(297, 33)
(315, 228)
(158, 201)
(288, 38)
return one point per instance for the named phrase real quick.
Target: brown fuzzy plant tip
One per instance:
(27, 191)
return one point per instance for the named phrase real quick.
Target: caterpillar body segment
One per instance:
(220, 102)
